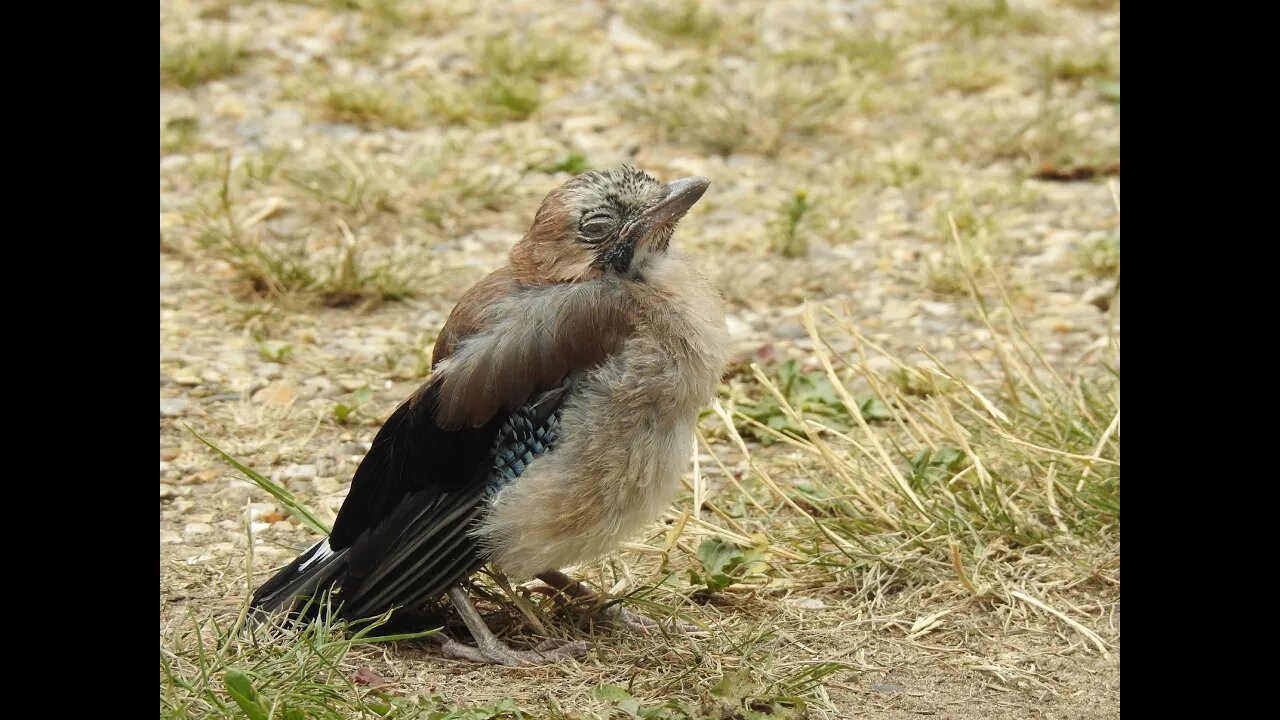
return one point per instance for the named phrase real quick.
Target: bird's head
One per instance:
(603, 221)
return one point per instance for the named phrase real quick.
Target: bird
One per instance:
(557, 421)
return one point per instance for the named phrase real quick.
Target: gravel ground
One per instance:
(958, 119)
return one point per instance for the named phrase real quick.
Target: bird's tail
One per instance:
(312, 573)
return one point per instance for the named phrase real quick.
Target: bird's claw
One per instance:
(548, 651)
(647, 625)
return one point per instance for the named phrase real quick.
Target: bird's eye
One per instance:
(595, 228)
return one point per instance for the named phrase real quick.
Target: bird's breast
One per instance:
(624, 438)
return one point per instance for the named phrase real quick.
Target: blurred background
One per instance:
(838, 135)
(334, 173)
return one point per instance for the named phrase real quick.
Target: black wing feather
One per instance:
(401, 536)
(411, 454)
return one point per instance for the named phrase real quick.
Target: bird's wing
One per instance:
(421, 546)
(400, 536)
(532, 337)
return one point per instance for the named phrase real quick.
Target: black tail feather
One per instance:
(293, 584)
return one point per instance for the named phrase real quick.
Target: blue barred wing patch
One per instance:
(522, 438)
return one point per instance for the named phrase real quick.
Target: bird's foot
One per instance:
(637, 622)
(497, 652)
(616, 614)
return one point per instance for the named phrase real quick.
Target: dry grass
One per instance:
(756, 109)
(1051, 137)
(314, 228)
(199, 60)
(968, 73)
(512, 72)
(687, 20)
(179, 134)
(1095, 5)
(983, 17)
(1100, 254)
(870, 52)
(294, 269)
(357, 104)
(1080, 66)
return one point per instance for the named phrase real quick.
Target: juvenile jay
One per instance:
(557, 421)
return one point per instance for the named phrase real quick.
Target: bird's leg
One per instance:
(616, 613)
(489, 649)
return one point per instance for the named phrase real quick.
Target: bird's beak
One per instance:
(681, 195)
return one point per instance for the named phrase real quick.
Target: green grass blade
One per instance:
(245, 695)
(286, 498)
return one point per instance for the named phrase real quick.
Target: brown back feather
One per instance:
(468, 315)
(532, 339)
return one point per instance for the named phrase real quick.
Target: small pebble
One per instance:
(172, 407)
